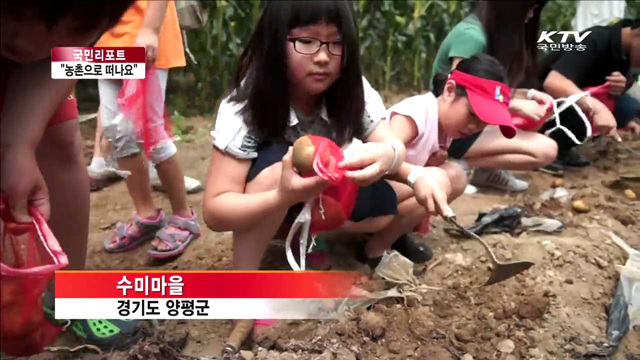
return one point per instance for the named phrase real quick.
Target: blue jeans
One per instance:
(627, 108)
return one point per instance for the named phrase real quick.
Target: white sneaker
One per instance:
(470, 189)
(102, 174)
(498, 179)
(191, 185)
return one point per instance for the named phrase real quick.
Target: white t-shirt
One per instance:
(597, 12)
(231, 135)
(423, 110)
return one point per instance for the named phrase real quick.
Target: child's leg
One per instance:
(61, 162)
(410, 212)
(526, 151)
(170, 173)
(249, 245)
(163, 156)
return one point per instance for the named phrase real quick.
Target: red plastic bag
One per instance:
(142, 102)
(29, 255)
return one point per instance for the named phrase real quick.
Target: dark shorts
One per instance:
(459, 147)
(377, 199)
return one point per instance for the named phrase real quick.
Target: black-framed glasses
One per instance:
(310, 45)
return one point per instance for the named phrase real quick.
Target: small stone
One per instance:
(507, 255)
(486, 336)
(535, 353)
(581, 206)
(601, 263)
(568, 281)
(247, 355)
(630, 194)
(506, 346)
(467, 357)
(464, 337)
(483, 259)
(584, 293)
(557, 183)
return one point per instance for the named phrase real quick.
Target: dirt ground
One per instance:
(555, 310)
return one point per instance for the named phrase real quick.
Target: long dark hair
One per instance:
(509, 39)
(481, 65)
(261, 78)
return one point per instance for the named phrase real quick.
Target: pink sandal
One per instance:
(125, 239)
(178, 234)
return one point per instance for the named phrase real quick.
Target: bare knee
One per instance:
(457, 177)
(546, 151)
(267, 179)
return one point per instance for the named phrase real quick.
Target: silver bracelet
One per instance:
(395, 159)
(414, 174)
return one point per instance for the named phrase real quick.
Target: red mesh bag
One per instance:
(332, 207)
(29, 255)
(600, 92)
(142, 102)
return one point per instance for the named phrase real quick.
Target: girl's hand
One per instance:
(543, 99)
(432, 189)
(23, 184)
(603, 119)
(148, 39)
(373, 159)
(529, 108)
(618, 83)
(294, 188)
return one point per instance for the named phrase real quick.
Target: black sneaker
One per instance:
(554, 168)
(418, 253)
(572, 158)
(361, 255)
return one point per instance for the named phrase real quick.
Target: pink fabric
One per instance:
(423, 110)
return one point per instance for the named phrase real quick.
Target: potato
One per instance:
(14, 323)
(303, 151)
(10, 293)
(581, 206)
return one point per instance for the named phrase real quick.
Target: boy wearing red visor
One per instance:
(471, 97)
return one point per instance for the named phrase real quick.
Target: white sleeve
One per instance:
(375, 111)
(231, 135)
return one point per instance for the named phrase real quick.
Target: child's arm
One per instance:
(226, 207)
(151, 25)
(431, 186)
(382, 154)
(559, 86)
(31, 99)
(404, 128)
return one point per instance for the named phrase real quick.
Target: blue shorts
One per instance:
(377, 199)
